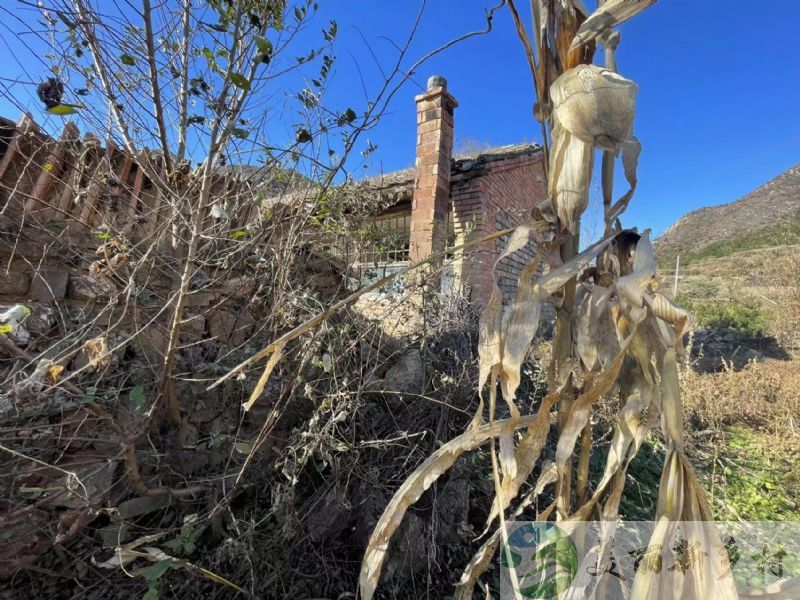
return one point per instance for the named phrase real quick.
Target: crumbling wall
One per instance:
(75, 213)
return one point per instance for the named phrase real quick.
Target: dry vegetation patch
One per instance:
(764, 396)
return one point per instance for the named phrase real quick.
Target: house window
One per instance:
(389, 241)
(385, 250)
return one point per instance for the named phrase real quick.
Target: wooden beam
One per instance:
(155, 210)
(96, 185)
(52, 167)
(23, 126)
(133, 202)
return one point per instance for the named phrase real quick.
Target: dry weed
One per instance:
(763, 395)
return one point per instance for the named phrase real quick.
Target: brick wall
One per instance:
(487, 198)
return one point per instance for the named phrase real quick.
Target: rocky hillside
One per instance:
(761, 218)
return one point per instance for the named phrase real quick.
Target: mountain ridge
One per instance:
(770, 206)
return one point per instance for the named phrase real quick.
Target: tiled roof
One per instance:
(498, 153)
(405, 177)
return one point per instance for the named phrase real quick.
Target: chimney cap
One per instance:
(437, 81)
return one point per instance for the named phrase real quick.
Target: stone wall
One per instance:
(78, 219)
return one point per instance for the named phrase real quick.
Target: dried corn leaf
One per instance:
(518, 336)
(609, 15)
(638, 416)
(683, 509)
(595, 105)
(527, 455)
(408, 493)
(672, 417)
(631, 150)
(596, 340)
(646, 349)
(518, 240)
(505, 435)
(640, 411)
(521, 326)
(632, 287)
(489, 346)
(516, 340)
(681, 499)
(490, 352)
(595, 387)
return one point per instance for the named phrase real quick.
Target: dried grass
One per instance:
(763, 395)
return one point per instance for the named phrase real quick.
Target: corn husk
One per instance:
(596, 105)
(570, 176)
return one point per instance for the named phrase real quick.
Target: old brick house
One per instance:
(445, 202)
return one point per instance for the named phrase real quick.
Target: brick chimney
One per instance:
(432, 181)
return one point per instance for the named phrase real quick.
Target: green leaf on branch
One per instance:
(151, 593)
(137, 396)
(240, 133)
(127, 59)
(63, 109)
(240, 81)
(158, 569)
(216, 27)
(243, 447)
(264, 46)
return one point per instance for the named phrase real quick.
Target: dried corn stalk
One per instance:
(617, 334)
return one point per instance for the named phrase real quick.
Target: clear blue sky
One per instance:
(719, 89)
